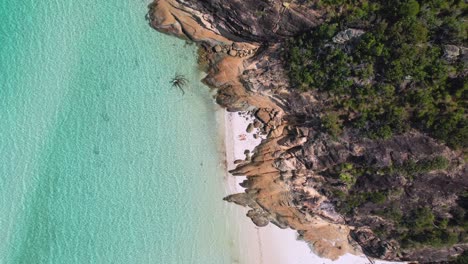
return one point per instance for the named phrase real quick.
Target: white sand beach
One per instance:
(270, 244)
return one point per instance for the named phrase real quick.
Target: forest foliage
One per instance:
(392, 78)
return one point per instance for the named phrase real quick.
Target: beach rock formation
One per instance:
(252, 20)
(336, 192)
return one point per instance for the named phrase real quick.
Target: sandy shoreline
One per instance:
(270, 244)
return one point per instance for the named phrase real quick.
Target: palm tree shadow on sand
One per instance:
(179, 81)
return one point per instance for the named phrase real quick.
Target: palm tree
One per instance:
(179, 81)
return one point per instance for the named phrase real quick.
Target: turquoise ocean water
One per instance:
(102, 161)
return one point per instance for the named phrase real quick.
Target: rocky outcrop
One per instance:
(452, 52)
(430, 255)
(290, 176)
(373, 245)
(347, 35)
(253, 20)
(319, 156)
(275, 192)
(227, 57)
(235, 50)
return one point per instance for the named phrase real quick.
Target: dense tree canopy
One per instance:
(395, 76)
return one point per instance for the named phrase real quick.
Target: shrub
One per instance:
(331, 123)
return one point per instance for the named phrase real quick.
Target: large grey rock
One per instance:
(250, 128)
(259, 217)
(233, 52)
(451, 52)
(291, 142)
(287, 164)
(346, 35)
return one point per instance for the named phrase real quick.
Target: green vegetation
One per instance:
(393, 77)
(411, 168)
(417, 226)
(421, 228)
(331, 122)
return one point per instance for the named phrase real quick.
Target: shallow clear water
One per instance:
(102, 160)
